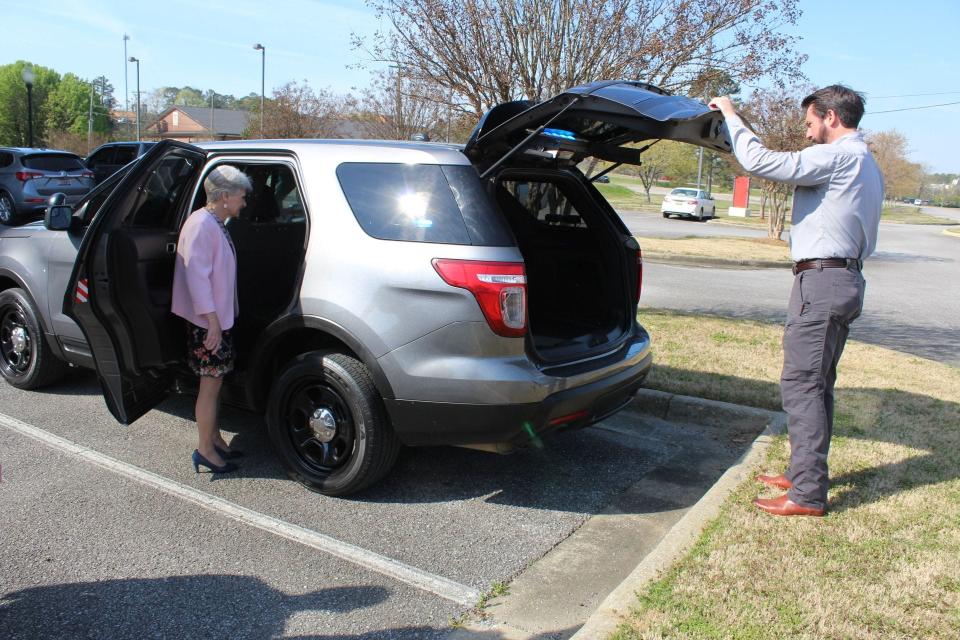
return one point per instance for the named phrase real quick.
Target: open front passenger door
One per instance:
(121, 285)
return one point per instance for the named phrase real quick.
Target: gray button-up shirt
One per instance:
(837, 197)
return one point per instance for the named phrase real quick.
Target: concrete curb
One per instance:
(682, 536)
(707, 261)
(686, 531)
(949, 231)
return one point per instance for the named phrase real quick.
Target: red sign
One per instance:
(741, 192)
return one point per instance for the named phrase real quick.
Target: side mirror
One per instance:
(58, 215)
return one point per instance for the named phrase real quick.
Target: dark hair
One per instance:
(843, 101)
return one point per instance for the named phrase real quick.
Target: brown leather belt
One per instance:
(827, 263)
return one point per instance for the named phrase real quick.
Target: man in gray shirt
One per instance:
(836, 216)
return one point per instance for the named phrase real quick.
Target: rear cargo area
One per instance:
(578, 295)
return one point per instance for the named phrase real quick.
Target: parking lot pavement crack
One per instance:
(438, 585)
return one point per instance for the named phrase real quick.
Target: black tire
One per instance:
(26, 360)
(666, 215)
(700, 217)
(8, 211)
(339, 388)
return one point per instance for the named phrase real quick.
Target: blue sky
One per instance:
(881, 47)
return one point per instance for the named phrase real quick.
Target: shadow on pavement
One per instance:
(214, 606)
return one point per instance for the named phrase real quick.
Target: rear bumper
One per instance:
(423, 423)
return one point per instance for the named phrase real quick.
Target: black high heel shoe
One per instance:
(200, 461)
(233, 454)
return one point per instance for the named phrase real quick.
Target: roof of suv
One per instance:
(388, 151)
(26, 150)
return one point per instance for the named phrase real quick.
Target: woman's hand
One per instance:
(212, 342)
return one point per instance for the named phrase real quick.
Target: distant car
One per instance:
(106, 159)
(688, 203)
(918, 202)
(29, 176)
(603, 179)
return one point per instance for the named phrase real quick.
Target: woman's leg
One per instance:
(208, 402)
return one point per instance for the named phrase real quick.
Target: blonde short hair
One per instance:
(225, 179)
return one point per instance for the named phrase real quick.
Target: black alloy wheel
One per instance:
(16, 343)
(328, 424)
(26, 361)
(8, 212)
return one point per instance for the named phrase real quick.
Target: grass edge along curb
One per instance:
(684, 534)
(952, 231)
(700, 261)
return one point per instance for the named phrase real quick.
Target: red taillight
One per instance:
(86, 174)
(636, 297)
(691, 202)
(499, 287)
(23, 176)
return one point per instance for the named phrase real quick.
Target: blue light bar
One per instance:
(559, 133)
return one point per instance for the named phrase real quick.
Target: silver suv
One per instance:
(29, 176)
(390, 293)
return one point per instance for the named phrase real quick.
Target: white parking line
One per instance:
(405, 573)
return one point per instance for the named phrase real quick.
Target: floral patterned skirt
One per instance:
(215, 364)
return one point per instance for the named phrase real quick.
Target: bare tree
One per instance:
(486, 52)
(394, 108)
(778, 120)
(297, 111)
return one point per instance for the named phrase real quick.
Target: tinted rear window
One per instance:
(691, 193)
(443, 204)
(51, 162)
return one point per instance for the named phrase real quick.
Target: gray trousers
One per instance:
(823, 303)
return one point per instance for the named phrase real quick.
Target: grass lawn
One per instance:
(907, 214)
(719, 247)
(884, 563)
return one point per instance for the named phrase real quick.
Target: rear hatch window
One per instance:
(443, 204)
(52, 162)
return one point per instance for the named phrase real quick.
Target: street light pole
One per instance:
(28, 77)
(263, 75)
(126, 88)
(137, 60)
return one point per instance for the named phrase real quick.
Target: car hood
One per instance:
(596, 119)
(24, 230)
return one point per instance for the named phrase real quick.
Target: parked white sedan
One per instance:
(689, 203)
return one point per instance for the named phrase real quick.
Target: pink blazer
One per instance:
(205, 275)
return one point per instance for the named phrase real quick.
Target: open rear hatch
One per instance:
(582, 263)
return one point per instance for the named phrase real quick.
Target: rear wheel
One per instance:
(700, 217)
(8, 212)
(666, 215)
(26, 361)
(328, 424)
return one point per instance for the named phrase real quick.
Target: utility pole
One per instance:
(90, 121)
(137, 60)
(263, 83)
(126, 89)
(399, 105)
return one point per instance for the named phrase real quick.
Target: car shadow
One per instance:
(192, 606)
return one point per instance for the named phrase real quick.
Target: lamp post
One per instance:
(28, 77)
(126, 88)
(263, 74)
(137, 60)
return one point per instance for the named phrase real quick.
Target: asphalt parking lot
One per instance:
(108, 533)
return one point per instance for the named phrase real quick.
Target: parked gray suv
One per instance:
(29, 176)
(390, 293)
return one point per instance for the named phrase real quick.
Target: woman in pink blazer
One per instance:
(205, 295)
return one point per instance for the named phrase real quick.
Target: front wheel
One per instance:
(328, 424)
(666, 215)
(26, 361)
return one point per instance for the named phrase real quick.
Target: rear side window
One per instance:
(156, 204)
(100, 157)
(443, 204)
(6, 159)
(52, 162)
(125, 155)
(545, 202)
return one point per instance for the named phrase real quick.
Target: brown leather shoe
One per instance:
(784, 506)
(777, 482)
